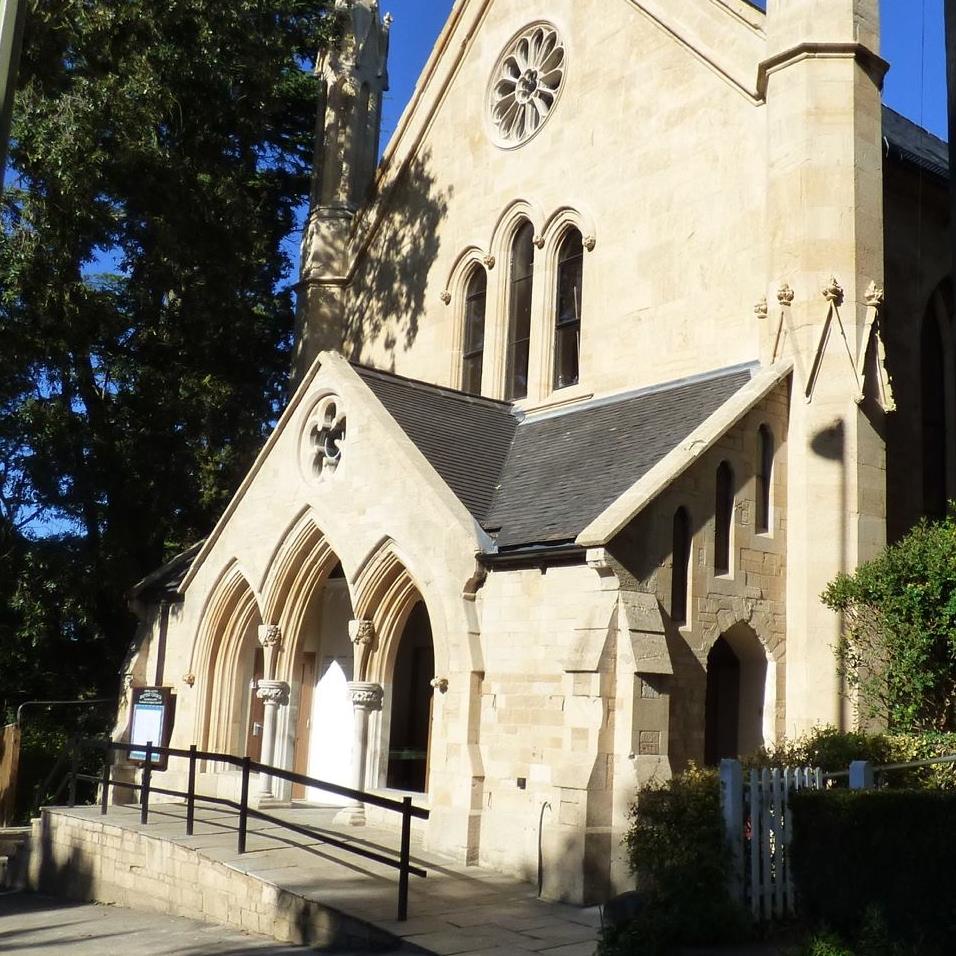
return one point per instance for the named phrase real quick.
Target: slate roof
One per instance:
(543, 478)
(464, 437)
(912, 144)
(566, 467)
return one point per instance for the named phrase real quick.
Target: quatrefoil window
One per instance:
(326, 437)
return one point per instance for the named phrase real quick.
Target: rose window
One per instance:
(526, 84)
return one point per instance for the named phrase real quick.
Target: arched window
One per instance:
(934, 418)
(723, 517)
(680, 572)
(764, 479)
(519, 313)
(473, 350)
(567, 319)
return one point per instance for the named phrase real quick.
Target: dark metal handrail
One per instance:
(248, 767)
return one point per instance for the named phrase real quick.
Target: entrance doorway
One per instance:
(740, 700)
(411, 713)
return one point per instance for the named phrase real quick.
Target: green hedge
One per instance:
(832, 749)
(884, 854)
(681, 865)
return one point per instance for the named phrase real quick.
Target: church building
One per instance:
(639, 333)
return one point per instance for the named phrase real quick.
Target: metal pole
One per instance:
(144, 789)
(105, 803)
(406, 849)
(191, 792)
(60, 703)
(244, 804)
(12, 17)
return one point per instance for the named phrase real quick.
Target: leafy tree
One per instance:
(898, 648)
(160, 157)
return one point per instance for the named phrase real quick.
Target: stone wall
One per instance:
(85, 859)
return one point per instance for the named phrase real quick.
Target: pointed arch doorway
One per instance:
(410, 713)
(323, 728)
(740, 700)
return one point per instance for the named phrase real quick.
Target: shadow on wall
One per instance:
(388, 298)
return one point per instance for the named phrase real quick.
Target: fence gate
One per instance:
(757, 819)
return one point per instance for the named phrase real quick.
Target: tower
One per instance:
(353, 76)
(822, 82)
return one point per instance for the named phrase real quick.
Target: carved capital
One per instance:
(361, 632)
(440, 684)
(366, 696)
(189, 679)
(589, 243)
(833, 293)
(785, 294)
(761, 309)
(538, 242)
(270, 635)
(273, 692)
(446, 297)
(875, 296)
(489, 262)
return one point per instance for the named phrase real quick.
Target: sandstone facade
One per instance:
(696, 406)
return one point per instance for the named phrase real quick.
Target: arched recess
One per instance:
(224, 664)
(468, 263)
(403, 659)
(741, 697)
(937, 412)
(306, 593)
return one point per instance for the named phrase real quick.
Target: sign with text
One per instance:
(152, 722)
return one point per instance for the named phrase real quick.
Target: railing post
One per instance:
(406, 849)
(105, 799)
(144, 788)
(244, 804)
(861, 775)
(191, 792)
(732, 805)
(74, 768)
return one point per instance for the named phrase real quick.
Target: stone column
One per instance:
(366, 697)
(272, 693)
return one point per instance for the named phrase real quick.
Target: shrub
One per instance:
(898, 648)
(681, 865)
(832, 750)
(877, 866)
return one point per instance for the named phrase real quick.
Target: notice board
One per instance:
(152, 722)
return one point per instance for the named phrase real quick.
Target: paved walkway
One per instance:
(456, 910)
(41, 925)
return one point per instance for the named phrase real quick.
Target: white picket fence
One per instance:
(758, 824)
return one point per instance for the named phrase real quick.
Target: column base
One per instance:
(353, 816)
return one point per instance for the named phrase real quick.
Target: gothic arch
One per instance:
(938, 401)
(469, 260)
(740, 704)
(386, 594)
(563, 219)
(230, 614)
(300, 564)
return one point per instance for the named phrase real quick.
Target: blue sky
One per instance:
(913, 42)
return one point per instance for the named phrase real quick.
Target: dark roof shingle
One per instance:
(543, 479)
